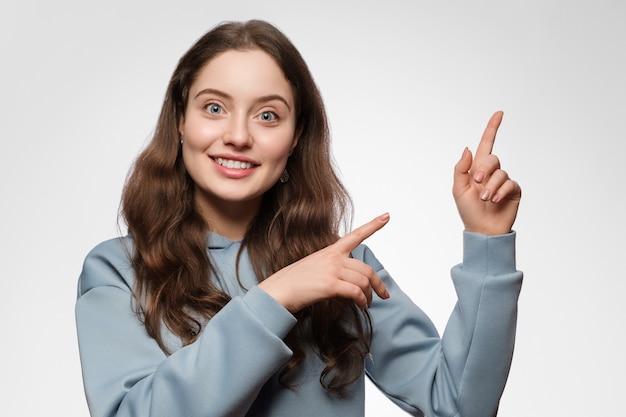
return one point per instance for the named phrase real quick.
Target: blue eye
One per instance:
(268, 116)
(214, 108)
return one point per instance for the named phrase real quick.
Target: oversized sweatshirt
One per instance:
(232, 368)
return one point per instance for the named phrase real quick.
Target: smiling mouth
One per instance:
(232, 164)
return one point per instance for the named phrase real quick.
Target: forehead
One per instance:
(243, 73)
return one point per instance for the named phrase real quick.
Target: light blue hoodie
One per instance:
(231, 370)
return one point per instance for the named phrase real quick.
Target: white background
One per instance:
(407, 85)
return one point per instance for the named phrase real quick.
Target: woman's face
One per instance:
(238, 129)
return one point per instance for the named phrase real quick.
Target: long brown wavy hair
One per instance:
(170, 260)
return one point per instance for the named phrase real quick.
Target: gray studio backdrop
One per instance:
(408, 85)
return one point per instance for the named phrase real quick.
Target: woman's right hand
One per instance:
(328, 273)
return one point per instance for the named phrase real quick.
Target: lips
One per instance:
(233, 164)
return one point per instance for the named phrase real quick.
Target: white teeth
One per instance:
(229, 163)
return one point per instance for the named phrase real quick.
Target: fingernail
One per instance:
(384, 217)
(485, 195)
(465, 151)
(495, 198)
(479, 177)
(386, 295)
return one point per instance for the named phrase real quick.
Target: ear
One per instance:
(181, 125)
(296, 137)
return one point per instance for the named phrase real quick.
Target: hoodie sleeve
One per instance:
(464, 372)
(125, 373)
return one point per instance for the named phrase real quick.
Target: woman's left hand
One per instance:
(487, 199)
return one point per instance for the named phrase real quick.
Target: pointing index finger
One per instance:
(489, 135)
(353, 239)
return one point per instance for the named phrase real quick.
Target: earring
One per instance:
(284, 177)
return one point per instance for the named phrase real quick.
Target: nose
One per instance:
(238, 133)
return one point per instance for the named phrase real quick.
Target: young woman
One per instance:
(233, 294)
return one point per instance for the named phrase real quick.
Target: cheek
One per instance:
(199, 135)
(278, 155)
(277, 145)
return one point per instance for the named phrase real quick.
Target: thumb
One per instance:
(461, 172)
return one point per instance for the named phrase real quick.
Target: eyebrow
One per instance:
(226, 96)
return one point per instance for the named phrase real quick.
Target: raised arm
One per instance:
(464, 372)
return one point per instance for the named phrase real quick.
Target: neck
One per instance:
(229, 219)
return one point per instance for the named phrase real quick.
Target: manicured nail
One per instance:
(479, 177)
(495, 198)
(383, 217)
(485, 195)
